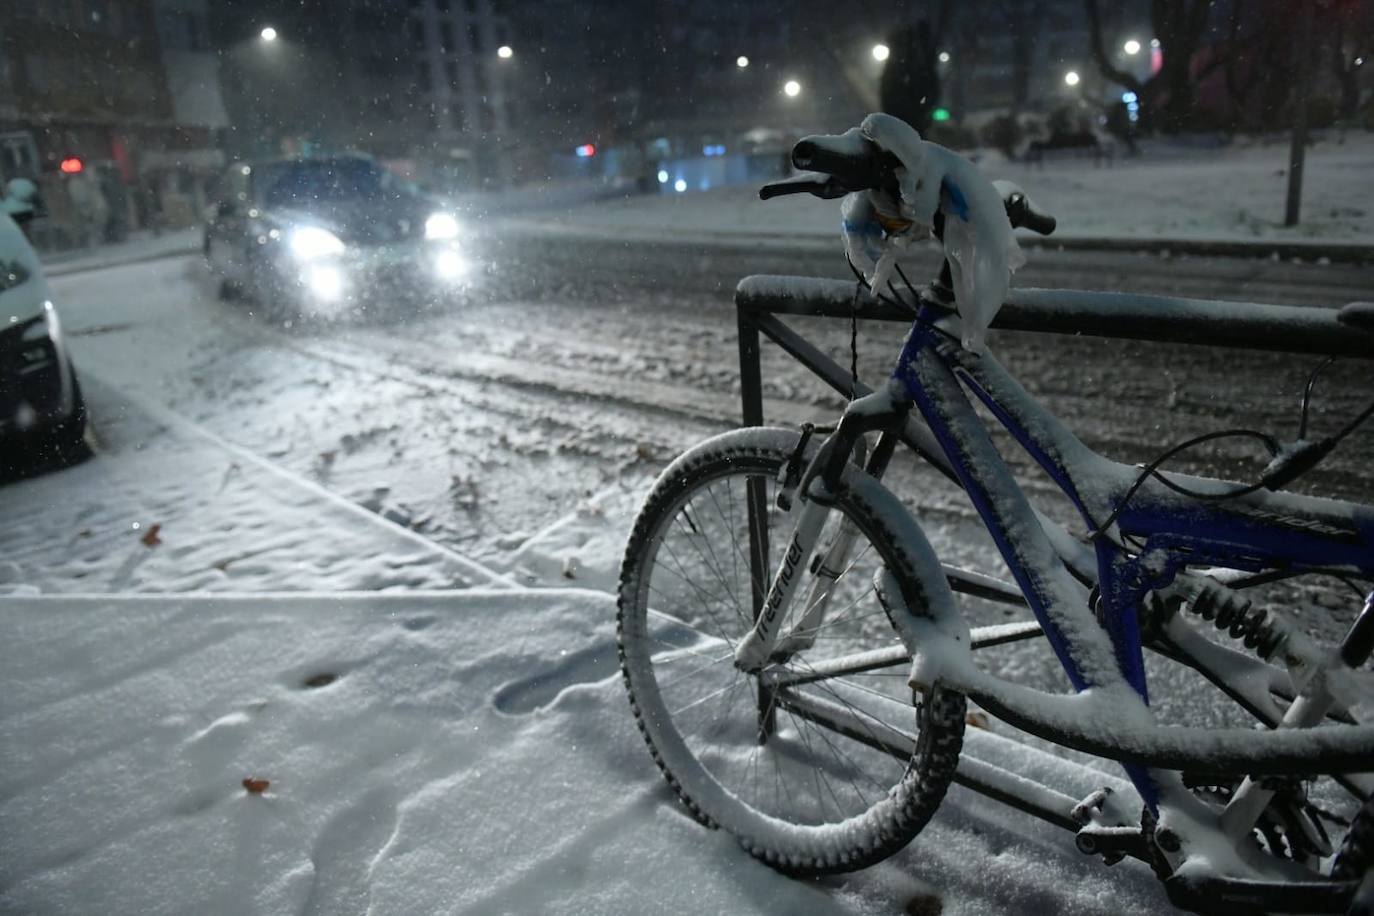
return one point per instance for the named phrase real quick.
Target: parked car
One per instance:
(321, 236)
(42, 412)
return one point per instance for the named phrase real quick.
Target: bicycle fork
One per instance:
(755, 649)
(819, 483)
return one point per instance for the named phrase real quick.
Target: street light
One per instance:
(1131, 47)
(504, 52)
(944, 57)
(741, 61)
(1071, 78)
(268, 34)
(880, 52)
(792, 88)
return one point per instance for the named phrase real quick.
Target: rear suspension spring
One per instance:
(1237, 615)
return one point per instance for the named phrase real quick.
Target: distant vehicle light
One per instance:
(585, 151)
(940, 114)
(662, 177)
(311, 242)
(680, 185)
(792, 88)
(1071, 78)
(714, 149)
(441, 226)
(1131, 47)
(504, 52)
(944, 57)
(881, 52)
(268, 34)
(71, 165)
(741, 61)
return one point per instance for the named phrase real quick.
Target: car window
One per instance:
(330, 179)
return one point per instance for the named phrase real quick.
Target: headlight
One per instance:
(449, 265)
(325, 281)
(441, 226)
(311, 242)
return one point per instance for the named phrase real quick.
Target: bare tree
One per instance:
(1023, 18)
(1166, 98)
(1351, 45)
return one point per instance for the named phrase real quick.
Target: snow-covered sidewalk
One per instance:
(461, 752)
(168, 506)
(1231, 194)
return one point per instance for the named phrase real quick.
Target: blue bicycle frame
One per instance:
(1259, 531)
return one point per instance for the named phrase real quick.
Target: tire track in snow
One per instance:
(479, 574)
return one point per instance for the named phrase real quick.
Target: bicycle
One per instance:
(774, 677)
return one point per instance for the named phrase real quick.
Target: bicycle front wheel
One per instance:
(817, 764)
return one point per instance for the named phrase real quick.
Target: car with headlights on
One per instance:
(42, 412)
(329, 236)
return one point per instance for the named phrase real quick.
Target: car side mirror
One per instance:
(23, 216)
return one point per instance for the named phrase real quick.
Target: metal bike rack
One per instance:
(759, 300)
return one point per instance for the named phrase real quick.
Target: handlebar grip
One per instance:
(1022, 213)
(854, 162)
(821, 186)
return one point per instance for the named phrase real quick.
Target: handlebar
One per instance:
(848, 162)
(839, 165)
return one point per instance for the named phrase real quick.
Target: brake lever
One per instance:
(823, 186)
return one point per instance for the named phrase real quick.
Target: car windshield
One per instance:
(326, 180)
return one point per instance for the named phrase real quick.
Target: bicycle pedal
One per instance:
(1111, 843)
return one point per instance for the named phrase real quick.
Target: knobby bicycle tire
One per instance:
(656, 629)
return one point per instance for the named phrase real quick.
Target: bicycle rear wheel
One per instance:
(825, 773)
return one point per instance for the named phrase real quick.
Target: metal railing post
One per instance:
(756, 496)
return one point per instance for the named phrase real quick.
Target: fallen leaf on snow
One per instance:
(256, 786)
(977, 719)
(150, 538)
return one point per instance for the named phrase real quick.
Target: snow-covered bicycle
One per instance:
(780, 611)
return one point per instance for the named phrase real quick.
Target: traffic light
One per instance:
(71, 165)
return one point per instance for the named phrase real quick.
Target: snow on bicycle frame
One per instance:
(1057, 573)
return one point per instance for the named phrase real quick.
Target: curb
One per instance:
(62, 269)
(1335, 253)
(1300, 251)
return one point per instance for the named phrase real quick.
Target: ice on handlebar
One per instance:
(978, 239)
